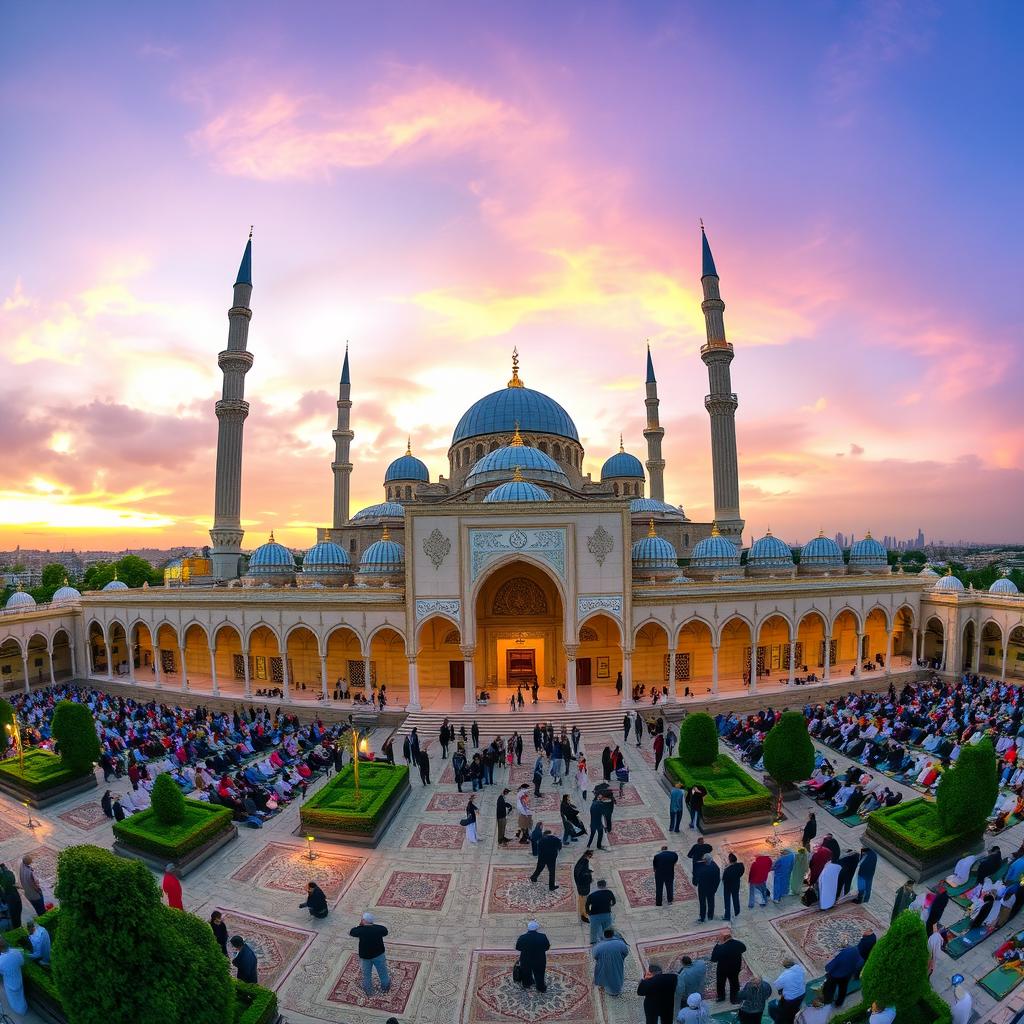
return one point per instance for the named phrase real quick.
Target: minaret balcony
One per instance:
(716, 346)
(721, 403)
(235, 360)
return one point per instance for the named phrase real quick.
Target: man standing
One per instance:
(760, 869)
(596, 823)
(670, 740)
(707, 880)
(791, 985)
(547, 857)
(675, 807)
(599, 910)
(474, 732)
(690, 979)
(665, 874)
(866, 873)
(697, 853)
(445, 737)
(533, 947)
(658, 990)
(659, 750)
(371, 953)
(30, 885)
(838, 973)
(627, 722)
(575, 734)
(609, 960)
(810, 831)
(171, 887)
(519, 749)
(847, 870)
(731, 878)
(502, 815)
(536, 737)
(695, 803)
(424, 763)
(414, 745)
(728, 955)
(583, 877)
(938, 907)
(244, 960)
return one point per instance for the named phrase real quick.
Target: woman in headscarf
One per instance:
(782, 872)
(799, 873)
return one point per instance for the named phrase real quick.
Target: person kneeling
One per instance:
(316, 901)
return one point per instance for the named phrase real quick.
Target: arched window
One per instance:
(479, 452)
(352, 545)
(466, 456)
(686, 540)
(408, 491)
(615, 488)
(494, 446)
(636, 490)
(543, 446)
(557, 453)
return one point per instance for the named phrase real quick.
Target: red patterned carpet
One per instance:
(747, 850)
(816, 935)
(278, 947)
(450, 803)
(415, 890)
(44, 864)
(638, 886)
(494, 998)
(348, 988)
(85, 816)
(284, 868)
(698, 945)
(7, 826)
(510, 891)
(627, 831)
(436, 837)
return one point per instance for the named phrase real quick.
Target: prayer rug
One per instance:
(415, 890)
(436, 837)
(348, 987)
(510, 891)
(638, 885)
(696, 945)
(283, 868)
(816, 936)
(277, 946)
(1001, 981)
(627, 831)
(85, 816)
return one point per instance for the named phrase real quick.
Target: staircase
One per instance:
(500, 721)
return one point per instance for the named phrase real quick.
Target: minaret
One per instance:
(341, 467)
(232, 410)
(721, 402)
(654, 433)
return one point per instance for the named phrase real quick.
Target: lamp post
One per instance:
(14, 731)
(310, 854)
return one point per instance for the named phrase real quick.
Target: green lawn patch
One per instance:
(731, 791)
(337, 807)
(43, 770)
(201, 823)
(914, 828)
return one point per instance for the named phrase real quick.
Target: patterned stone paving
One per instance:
(510, 890)
(277, 946)
(817, 935)
(85, 817)
(627, 831)
(437, 837)
(283, 868)
(415, 890)
(638, 885)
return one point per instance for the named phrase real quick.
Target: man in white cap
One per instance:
(695, 1011)
(371, 953)
(533, 948)
(962, 1003)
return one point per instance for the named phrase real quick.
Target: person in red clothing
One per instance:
(758, 877)
(172, 887)
(659, 750)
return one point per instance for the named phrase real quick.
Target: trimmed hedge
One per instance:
(967, 792)
(896, 973)
(931, 1009)
(788, 751)
(915, 827)
(336, 806)
(168, 801)
(254, 1004)
(731, 791)
(43, 771)
(74, 733)
(143, 831)
(698, 740)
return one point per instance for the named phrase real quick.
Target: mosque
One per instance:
(515, 570)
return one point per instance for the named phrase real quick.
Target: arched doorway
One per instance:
(267, 669)
(991, 649)
(12, 667)
(144, 655)
(62, 660)
(695, 653)
(846, 649)
(168, 655)
(118, 649)
(388, 664)
(876, 640)
(650, 660)
(197, 674)
(303, 663)
(438, 660)
(809, 649)
(734, 654)
(967, 646)
(38, 660)
(99, 663)
(903, 634)
(346, 668)
(1015, 653)
(599, 661)
(933, 643)
(229, 661)
(773, 642)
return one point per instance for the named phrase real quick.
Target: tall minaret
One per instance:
(232, 410)
(720, 403)
(654, 433)
(341, 467)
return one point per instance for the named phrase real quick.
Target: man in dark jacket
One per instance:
(728, 955)
(444, 738)
(810, 831)
(519, 749)
(664, 874)
(502, 816)
(697, 853)
(847, 869)
(937, 909)
(371, 953)
(866, 875)
(731, 877)
(474, 731)
(424, 763)
(596, 822)
(707, 879)
(627, 724)
(583, 878)
(316, 901)
(537, 738)
(244, 960)
(659, 991)
(533, 947)
(838, 972)
(547, 857)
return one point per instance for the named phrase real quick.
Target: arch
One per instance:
(302, 649)
(997, 626)
(734, 617)
(99, 626)
(265, 655)
(493, 447)
(882, 610)
(228, 657)
(408, 492)
(968, 644)
(98, 650)
(526, 559)
(590, 616)
(60, 654)
(12, 666)
(809, 645)
(650, 624)
(847, 651)
(910, 614)
(767, 618)
(543, 446)
(195, 643)
(37, 651)
(479, 452)
(343, 627)
(519, 596)
(735, 652)
(260, 625)
(693, 620)
(1014, 653)
(933, 643)
(304, 625)
(389, 666)
(651, 661)
(378, 629)
(615, 490)
(556, 452)
(120, 651)
(435, 617)
(846, 609)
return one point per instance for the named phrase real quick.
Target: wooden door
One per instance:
(582, 671)
(457, 675)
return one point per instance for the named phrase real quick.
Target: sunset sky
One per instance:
(437, 183)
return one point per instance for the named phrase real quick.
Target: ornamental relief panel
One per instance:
(520, 596)
(436, 547)
(611, 603)
(425, 607)
(600, 544)
(547, 545)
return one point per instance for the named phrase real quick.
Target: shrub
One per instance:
(896, 973)
(254, 1004)
(42, 771)
(788, 751)
(914, 827)
(121, 955)
(336, 806)
(968, 791)
(201, 822)
(698, 740)
(731, 791)
(168, 801)
(6, 718)
(74, 731)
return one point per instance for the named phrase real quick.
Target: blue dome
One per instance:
(645, 506)
(714, 552)
(116, 585)
(769, 551)
(383, 557)
(821, 551)
(326, 557)
(500, 411)
(532, 462)
(408, 467)
(1003, 586)
(949, 584)
(385, 510)
(66, 593)
(653, 552)
(868, 552)
(270, 559)
(19, 599)
(622, 464)
(518, 490)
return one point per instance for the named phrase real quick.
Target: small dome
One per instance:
(622, 464)
(653, 552)
(769, 551)
(868, 552)
(518, 489)
(385, 510)
(271, 559)
(714, 552)
(65, 594)
(383, 557)
(532, 462)
(646, 506)
(116, 584)
(19, 599)
(927, 571)
(821, 551)
(408, 467)
(948, 584)
(1003, 586)
(326, 557)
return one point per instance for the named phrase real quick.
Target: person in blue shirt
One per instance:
(676, 800)
(39, 940)
(838, 972)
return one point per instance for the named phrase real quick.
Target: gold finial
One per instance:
(517, 476)
(20, 588)
(515, 382)
(769, 533)
(271, 541)
(821, 532)
(949, 570)
(714, 530)
(517, 440)
(115, 572)
(250, 232)
(651, 532)
(408, 445)
(386, 535)
(65, 583)
(867, 536)
(621, 449)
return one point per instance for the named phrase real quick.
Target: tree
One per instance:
(968, 791)
(135, 571)
(120, 955)
(896, 973)
(698, 740)
(6, 717)
(167, 800)
(788, 751)
(98, 575)
(74, 731)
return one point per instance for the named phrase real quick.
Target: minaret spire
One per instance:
(341, 466)
(721, 402)
(235, 362)
(654, 432)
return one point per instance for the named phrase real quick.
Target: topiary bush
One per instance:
(968, 791)
(121, 955)
(896, 973)
(6, 717)
(788, 751)
(74, 732)
(168, 801)
(698, 740)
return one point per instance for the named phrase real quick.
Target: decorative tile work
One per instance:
(348, 987)
(436, 837)
(747, 849)
(277, 946)
(284, 868)
(8, 829)
(85, 816)
(510, 891)
(697, 945)
(627, 831)
(816, 936)
(415, 890)
(450, 803)
(638, 885)
(494, 998)
(44, 864)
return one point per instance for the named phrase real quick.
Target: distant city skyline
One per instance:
(440, 186)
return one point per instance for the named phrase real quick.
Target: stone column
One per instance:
(857, 663)
(131, 662)
(74, 660)
(1002, 674)
(945, 647)
(888, 651)
(792, 661)
(213, 671)
(753, 667)
(828, 658)
(976, 656)
(367, 688)
(245, 674)
(323, 676)
(414, 687)
(287, 686)
(49, 653)
(627, 679)
(184, 670)
(469, 698)
(672, 694)
(913, 649)
(714, 668)
(24, 668)
(157, 669)
(110, 658)
(571, 701)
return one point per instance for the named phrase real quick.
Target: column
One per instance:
(469, 700)
(110, 663)
(672, 694)
(131, 661)
(714, 668)
(245, 673)
(924, 637)
(1002, 674)
(323, 676)
(913, 649)
(828, 658)
(74, 660)
(367, 689)
(213, 671)
(888, 651)
(753, 665)
(976, 657)
(942, 654)
(156, 666)
(414, 687)
(627, 679)
(571, 701)
(286, 683)
(857, 663)
(49, 655)
(184, 670)
(24, 668)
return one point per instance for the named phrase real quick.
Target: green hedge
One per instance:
(43, 771)
(74, 734)
(254, 1004)
(731, 791)
(337, 807)
(201, 823)
(915, 828)
(698, 740)
(932, 1009)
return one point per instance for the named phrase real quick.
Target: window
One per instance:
(479, 452)
(408, 495)
(352, 545)
(615, 488)
(543, 446)
(557, 452)
(493, 447)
